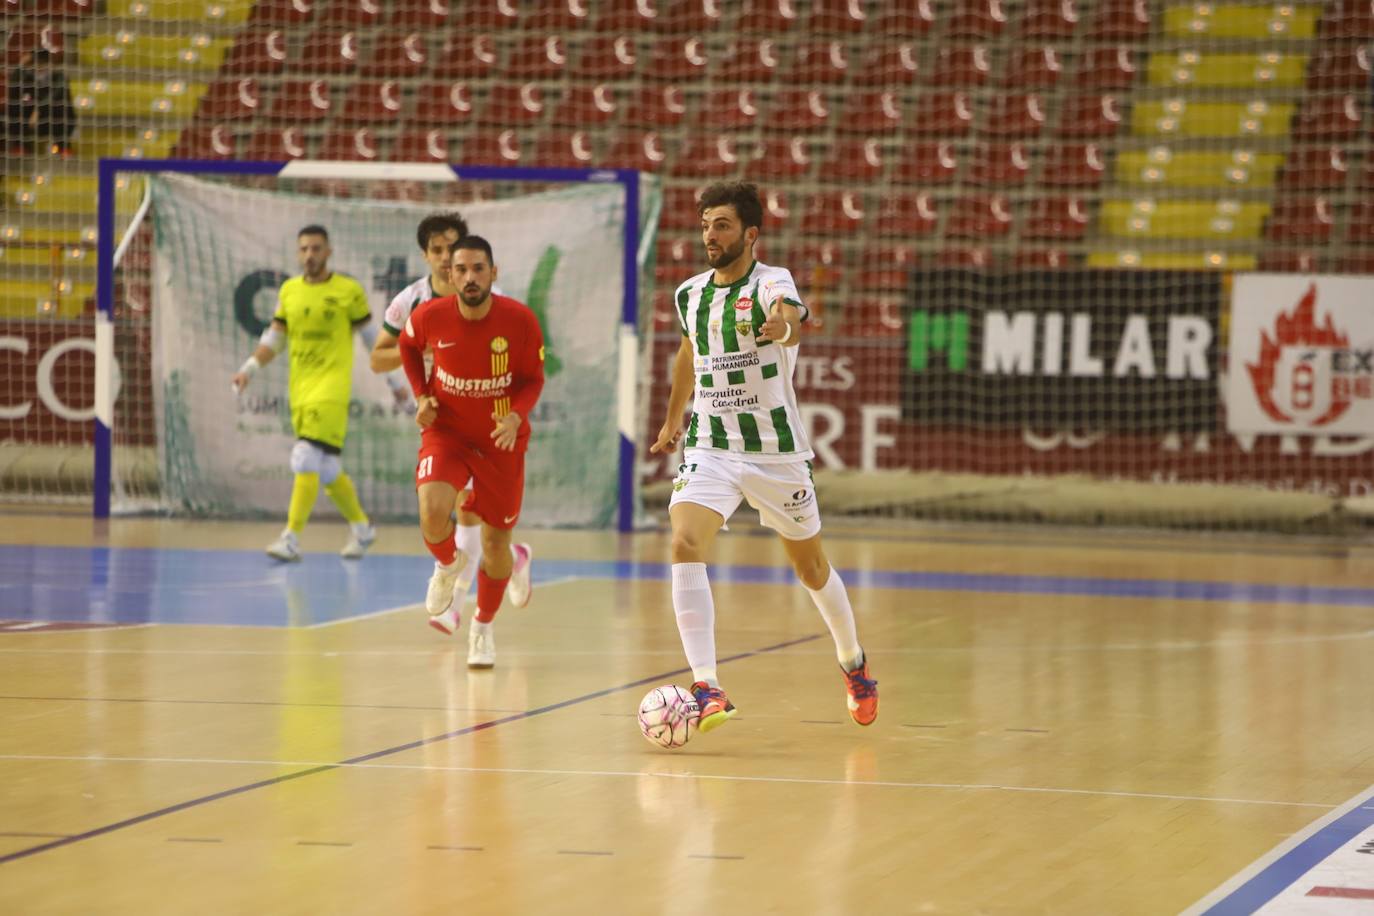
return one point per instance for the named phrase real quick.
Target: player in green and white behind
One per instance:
(317, 313)
(741, 321)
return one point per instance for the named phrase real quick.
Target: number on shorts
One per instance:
(426, 466)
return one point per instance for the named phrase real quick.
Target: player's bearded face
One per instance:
(723, 235)
(472, 275)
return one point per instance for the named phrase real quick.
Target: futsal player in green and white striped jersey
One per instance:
(740, 324)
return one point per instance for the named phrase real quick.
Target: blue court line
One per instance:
(1278, 875)
(662, 677)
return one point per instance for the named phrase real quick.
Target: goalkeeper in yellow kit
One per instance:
(316, 315)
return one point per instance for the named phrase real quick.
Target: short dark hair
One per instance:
(314, 229)
(438, 224)
(742, 195)
(475, 243)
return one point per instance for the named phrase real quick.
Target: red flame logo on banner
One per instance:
(1296, 329)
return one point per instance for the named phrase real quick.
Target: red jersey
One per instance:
(494, 365)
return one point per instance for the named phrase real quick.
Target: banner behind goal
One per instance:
(198, 283)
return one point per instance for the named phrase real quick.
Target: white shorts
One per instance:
(784, 493)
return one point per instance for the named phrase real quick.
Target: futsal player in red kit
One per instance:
(472, 410)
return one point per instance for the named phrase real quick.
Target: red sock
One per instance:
(490, 593)
(446, 551)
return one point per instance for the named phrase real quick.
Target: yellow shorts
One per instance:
(325, 422)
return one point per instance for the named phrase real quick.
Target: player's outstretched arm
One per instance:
(783, 324)
(269, 345)
(386, 352)
(684, 383)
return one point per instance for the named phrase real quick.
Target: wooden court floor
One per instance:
(1071, 723)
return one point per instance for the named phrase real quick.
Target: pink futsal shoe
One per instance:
(716, 708)
(519, 588)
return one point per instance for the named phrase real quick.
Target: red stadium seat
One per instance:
(489, 148)
(426, 14)
(1089, 116)
(688, 15)
(587, 105)
(846, 17)
(980, 217)
(1033, 68)
(421, 145)
(279, 143)
(834, 213)
(626, 16)
(327, 51)
(1321, 168)
(1348, 19)
(396, 55)
(1364, 177)
(887, 267)
(710, 156)
(375, 102)
(872, 113)
(23, 39)
(816, 266)
(928, 163)
(976, 257)
(772, 17)
(1361, 227)
(853, 161)
(783, 158)
(678, 59)
(574, 149)
(657, 106)
(999, 164)
(776, 213)
(1013, 116)
(961, 65)
(643, 150)
(1358, 261)
(821, 62)
(750, 61)
(1121, 20)
(977, 19)
(544, 15)
(58, 9)
(1053, 20)
(1063, 218)
(284, 12)
(678, 257)
(258, 51)
(510, 104)
(231, 100)
(1043, 258)
(907, 215)
(208, 141)
(353, 13)
(888, 66)
(1290, 261)
(944, 113)
(1328, 118)
(680, 209)
(351, 145)
(731, 109)
(1074, 165)
(443, 103)
(467, 56)
(909, 17)
(1301, 219)
(301, 102)
(537, 57)
(1111, 67)
(606, 58)
(872, 317)
(798, 110)
(1339, 67)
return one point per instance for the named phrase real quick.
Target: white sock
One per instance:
(469, 541)
(478, 626)
(833, 602)
(696, 619)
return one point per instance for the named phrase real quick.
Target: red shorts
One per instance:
(498, 478)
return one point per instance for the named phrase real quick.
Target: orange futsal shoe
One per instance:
(715, 706)
(863, 694)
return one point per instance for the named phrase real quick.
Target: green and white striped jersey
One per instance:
(744, 402)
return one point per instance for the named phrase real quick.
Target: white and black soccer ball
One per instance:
(667, 716)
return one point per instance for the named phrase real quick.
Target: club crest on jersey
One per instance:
(499, 345)
(744, 328)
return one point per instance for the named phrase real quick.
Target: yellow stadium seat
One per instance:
(1182, 219)
(1278, 21)
(67, 194)
(30, 298)
(218, 12)
(150, 143)
(1185, 118)
(60, 256)
(1194, 169)
(44, 234)
(137, 100)
(127, 48)
(1227, 71)
(1173, 260)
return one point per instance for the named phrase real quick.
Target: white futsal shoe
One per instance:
(481, 646)
(441, 600)
(360, 537)
(519, 588)
(285, 548)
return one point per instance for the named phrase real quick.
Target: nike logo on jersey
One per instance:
(509, 518)
(447, 343)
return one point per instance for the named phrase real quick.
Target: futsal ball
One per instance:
(667, 716)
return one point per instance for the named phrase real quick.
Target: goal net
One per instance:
(199, 282)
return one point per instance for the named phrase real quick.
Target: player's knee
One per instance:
(305, 458)
(813, 571)
(330, 468)
(688, 547)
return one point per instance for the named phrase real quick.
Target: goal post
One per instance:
(614, 201)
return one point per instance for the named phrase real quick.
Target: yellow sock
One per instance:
(346, 498)
(303, 493)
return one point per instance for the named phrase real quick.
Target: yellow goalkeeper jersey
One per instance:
(319, 321)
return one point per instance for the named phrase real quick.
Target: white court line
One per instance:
(637, 774)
